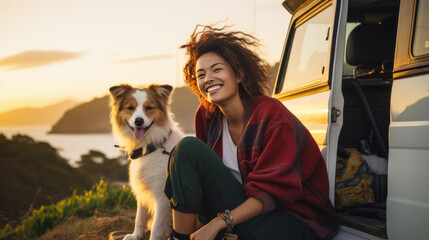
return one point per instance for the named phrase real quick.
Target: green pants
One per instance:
(198, 182)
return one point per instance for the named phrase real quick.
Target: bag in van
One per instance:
(353, 181)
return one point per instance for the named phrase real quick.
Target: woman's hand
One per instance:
(249, 209)
(210, 230)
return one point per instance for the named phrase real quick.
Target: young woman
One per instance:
(253, 170)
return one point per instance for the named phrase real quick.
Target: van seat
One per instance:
(371, 48)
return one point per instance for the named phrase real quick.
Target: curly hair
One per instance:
(234, 48)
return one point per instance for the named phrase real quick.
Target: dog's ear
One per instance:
(162, 90)
(167, 88)
(118, 91)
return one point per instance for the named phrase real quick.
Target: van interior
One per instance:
(366, 87)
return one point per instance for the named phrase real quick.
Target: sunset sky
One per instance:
(51, 50)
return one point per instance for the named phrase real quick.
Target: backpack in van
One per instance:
(353, 181)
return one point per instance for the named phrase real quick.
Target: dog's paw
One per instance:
(130, 237)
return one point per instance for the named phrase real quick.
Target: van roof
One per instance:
(360, 5)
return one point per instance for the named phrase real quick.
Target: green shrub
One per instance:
(99, 198)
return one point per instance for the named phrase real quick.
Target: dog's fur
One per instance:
(148, 107)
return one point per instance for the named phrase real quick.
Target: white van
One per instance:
(356, 73)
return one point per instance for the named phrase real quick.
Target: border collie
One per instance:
(143, 123)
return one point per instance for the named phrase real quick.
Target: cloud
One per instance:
(145, 58)
(36, 58)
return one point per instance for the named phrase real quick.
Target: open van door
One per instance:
(307, 73)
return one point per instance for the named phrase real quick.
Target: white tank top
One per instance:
(229, 154)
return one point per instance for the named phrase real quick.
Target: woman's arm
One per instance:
(249, 209)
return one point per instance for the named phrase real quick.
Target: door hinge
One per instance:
(335, 113)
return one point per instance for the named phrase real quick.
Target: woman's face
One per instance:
(216, 79)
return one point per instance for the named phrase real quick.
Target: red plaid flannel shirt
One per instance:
(279, 161)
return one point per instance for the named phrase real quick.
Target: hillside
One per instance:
(93, 116)
(36, 116)
(30, 172)
(33, 173)
(89, 215)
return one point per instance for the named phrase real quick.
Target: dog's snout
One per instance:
(139, 122)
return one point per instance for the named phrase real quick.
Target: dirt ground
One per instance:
(97, 227)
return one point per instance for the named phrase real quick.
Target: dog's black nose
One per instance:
(139, 122)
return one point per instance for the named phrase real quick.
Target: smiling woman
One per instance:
(236, 176)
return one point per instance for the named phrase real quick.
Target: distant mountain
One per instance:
(94, 116)
(89, 117)
(36, 116)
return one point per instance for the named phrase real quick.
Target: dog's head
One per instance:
(140, 115)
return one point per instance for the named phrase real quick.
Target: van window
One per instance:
(309, 51)
(421, 30)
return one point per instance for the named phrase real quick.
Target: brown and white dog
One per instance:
(142, 121)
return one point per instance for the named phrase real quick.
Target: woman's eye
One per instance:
(149, 108)
(130, 108)
(200, 76)
(217, 69)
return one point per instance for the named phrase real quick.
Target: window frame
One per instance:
(406, 64)
(417, 3)
(314, 86)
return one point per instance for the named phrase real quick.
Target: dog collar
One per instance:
(136, 153)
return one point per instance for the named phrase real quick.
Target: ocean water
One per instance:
(70, 146)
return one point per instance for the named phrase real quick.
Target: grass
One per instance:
(100, 198)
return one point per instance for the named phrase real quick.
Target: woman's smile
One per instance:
(213, 89)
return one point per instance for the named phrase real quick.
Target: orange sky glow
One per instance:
(53, 50)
